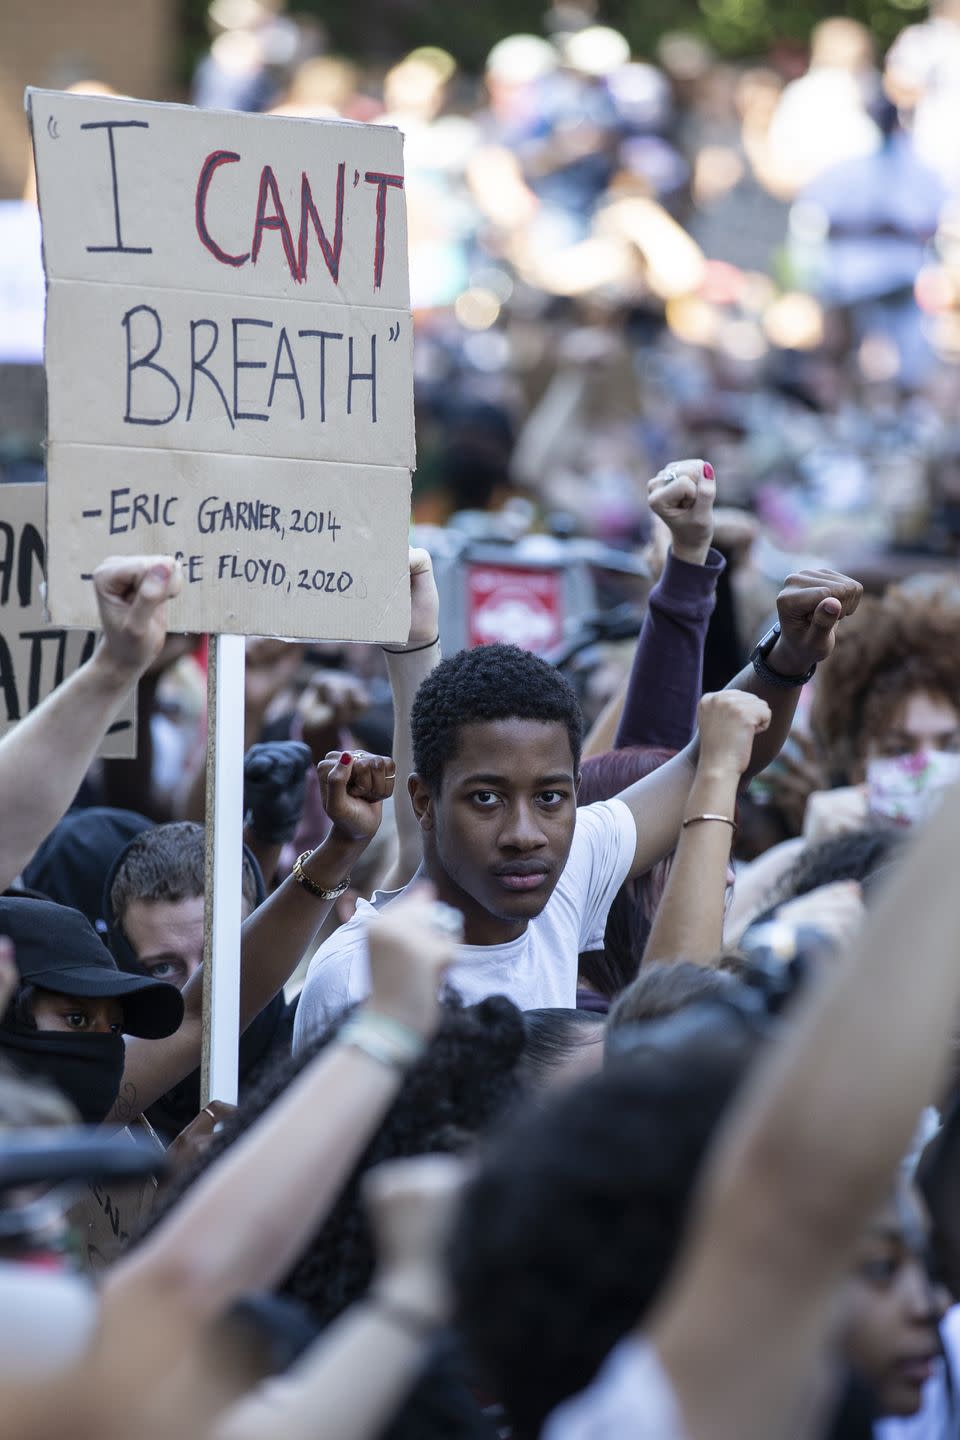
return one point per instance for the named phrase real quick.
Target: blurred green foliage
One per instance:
(381, 31)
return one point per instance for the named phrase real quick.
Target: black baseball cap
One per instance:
(57, 948)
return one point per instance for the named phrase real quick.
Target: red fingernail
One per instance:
(707, 470)
(345, 758)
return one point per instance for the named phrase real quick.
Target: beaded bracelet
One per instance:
(383, 1039)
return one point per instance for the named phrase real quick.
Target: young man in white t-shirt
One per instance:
(496, 737)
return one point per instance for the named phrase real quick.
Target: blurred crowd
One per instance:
(598, 1068)
(615, 259)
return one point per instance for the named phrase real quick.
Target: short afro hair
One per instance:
(493, 682)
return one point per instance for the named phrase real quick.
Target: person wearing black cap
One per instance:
(73, 1006)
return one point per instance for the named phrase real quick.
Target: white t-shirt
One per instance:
(630, 1399)
(538, 969)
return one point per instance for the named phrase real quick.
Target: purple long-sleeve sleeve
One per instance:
(667, 675)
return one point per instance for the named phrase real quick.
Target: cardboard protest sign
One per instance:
(229, 362)
(36, 657)
(107, 1214)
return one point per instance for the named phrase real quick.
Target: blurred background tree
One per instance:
(383, 30)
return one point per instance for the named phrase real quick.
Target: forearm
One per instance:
(660, 706)
(783, 704)
(309, 1142)
(689, 921)
(407, 670)
(273, 941)
(356, 1377)
(814, 1146)
(837, 1094)
(275, 938)
(43, 761)
(658, 804)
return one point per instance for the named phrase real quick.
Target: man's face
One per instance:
(498, 834)
(167, 937)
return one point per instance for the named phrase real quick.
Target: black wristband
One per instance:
(412, 649)
(767, 673)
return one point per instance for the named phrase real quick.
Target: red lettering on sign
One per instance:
(207, 172)
(383, 183)
(276, 221)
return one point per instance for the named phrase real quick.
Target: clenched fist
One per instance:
(810, 606)
(729, 723)
(682, 496)
(132, 594)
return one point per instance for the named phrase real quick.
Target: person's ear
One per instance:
(577, 781)
(421, 798)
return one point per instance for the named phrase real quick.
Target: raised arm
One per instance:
(811, 1149)
(364, 1364)
(276, 936)
(44, 760)
(689, 921)
(809, 608)
(660, 705)
(407, 668)
(248, 1217)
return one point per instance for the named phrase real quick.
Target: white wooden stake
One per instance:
(224, 859)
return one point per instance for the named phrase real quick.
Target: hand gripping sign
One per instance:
(229, 362)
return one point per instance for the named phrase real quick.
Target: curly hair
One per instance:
(571, 1224)
(463, 1081)
(908, 641)
(493, 682)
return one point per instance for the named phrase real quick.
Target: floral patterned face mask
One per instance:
(906, 788)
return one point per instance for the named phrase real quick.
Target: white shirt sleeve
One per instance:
(601, 857)
(630, 1399)
(326, 991)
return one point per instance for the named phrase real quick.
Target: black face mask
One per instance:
(85, 1068)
